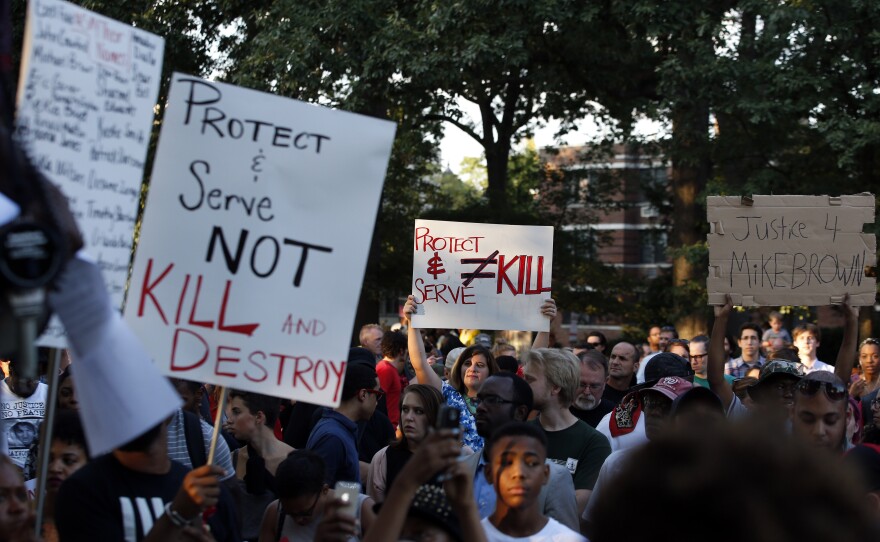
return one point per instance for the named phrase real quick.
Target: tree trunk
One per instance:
(496, 169)
(690, 172)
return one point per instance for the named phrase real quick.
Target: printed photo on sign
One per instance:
(481, 276)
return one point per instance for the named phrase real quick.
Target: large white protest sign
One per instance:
(791, 250)
(87, 92)
(481, 276)
(255, 239)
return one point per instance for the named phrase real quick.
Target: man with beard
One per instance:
(588, 404)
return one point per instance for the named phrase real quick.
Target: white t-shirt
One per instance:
(552, 532)
(628, 440)
(818, 366)
(640, 374)
(612, 467)
(20, 426)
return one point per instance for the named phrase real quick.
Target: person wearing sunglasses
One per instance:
(820, 411)
(335, 436)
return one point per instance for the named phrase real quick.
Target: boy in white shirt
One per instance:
(518, 469)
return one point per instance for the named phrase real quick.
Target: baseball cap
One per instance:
(668, 364)
(431, 504)
(774, 369)
(668, 386)
(483, 340)
(452, 356)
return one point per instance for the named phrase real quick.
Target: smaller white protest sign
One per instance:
(255, 239)
(87, 92)
(791, 250)
(481, 276)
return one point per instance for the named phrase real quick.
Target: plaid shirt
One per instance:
(738, 368)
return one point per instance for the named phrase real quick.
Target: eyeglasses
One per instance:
(490, 400)
(306, 513)
(833, 390)
(593, 387)
(698, 357)
(378, 393)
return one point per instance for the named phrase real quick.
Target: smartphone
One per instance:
(348, 492)
(447, 417)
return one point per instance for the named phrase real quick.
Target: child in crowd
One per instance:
(518, 469)
(776, 331)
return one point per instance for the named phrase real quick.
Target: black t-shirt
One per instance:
(106, 501)
(616, 396)
(593, 417)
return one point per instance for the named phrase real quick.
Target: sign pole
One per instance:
(221, 406)
(46, 440)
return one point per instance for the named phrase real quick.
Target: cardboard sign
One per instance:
(791, 250)
(87, 91)
(255, 238)
(481, 276)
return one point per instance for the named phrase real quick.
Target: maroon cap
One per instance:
(669, 386)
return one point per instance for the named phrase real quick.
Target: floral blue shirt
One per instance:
(466, 419)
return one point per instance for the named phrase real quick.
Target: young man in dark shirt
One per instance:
(136, 493)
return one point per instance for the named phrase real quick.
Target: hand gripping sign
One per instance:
(791, 250)
(481, 276)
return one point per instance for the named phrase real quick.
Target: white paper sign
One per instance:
(481, 276)
(87, 91)
(255, 239)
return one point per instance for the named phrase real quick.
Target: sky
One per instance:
(456, 145)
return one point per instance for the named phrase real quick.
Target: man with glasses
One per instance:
(820, 411)
(588, 404)
(502, 398)
(698, 350)
(750, 351)
(334, 438)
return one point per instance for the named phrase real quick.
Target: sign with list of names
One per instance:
(255, 237)
(87, 94)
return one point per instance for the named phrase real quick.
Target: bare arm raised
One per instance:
(847, 354)
(548, 309)
(424, 373)
(715, 367)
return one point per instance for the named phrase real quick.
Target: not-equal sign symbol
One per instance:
(469, 277)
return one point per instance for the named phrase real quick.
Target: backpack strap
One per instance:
(195, 440)
(281, 516)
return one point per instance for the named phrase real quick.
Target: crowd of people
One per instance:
(449, 435)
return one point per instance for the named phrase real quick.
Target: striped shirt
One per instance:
(178, 451)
